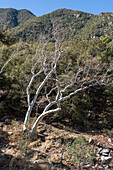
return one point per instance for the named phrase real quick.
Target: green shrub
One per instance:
(81, 151)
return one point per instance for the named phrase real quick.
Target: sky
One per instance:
(41, 7)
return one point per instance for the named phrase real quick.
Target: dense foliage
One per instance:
(12, 17)
(69, 24)
(84, 36)
(88, 107)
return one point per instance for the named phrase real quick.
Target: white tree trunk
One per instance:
(30, 107)
(34, 127)
(80, 83)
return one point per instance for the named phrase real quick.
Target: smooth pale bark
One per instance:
(47, 111)
(33, 129)
(30, 107)
(29, 86)
(31, 104)
(88, 80)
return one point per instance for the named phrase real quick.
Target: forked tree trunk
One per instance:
(34, 127)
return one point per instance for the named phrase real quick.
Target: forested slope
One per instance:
(93, 104)
(10, 17)
(69, 24)
(82, 36)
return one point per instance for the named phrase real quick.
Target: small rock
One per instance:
(100, 167)
(10, 133)
(106, 159)
(109, 140)
(40, 155)
(99, 150)
(111, 153)
(7, 120)
(106, 167)
(36, 161)
(81, 164)
(91, 140)
(99, 144)
(62, 157)
(106, 150)
(40, 161)
(98, 155)
(5, 145)
(87, 166)
(105, 154)
(53, 137)
(93, 167)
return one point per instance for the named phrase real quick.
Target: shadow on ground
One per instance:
(7, 162)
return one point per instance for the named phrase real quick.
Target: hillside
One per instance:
(98, 26)
(56, 97)
(70, 25)
(57, 142)
(12, 17)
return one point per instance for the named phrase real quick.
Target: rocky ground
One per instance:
(49, 149)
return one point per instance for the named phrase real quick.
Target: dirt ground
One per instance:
(47, 149)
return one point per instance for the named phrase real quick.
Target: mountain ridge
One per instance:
(69, 24)
(11, 17)
(44, 24)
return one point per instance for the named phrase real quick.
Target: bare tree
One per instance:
(88, 72)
